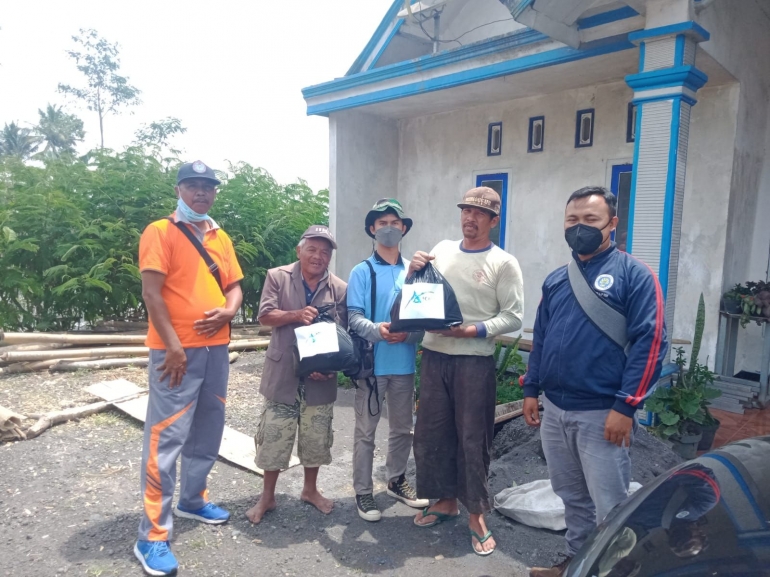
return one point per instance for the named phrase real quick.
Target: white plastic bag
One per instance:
(535, 504)
(317, 339)
(422, 301)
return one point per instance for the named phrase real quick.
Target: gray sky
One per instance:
(232, 71)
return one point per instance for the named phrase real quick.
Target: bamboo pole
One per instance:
(66, 338)
(31, 367)
(42, 347)
(108, 363)
(242, 345)
(96, 353)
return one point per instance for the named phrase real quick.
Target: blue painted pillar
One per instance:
(664, 92)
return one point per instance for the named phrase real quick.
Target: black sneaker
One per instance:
(367, 508)
(401, 489)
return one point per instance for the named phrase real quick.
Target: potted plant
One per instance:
(755, 305)
(682, 408)
(732, 300)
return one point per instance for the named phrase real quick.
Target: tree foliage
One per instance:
(105, 90)
(17, 142)
(58, 131)
(69, 233)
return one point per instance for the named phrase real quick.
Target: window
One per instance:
(499, 183)
(631, 123)
(621, 187)
(536, 134)
(584, 130)
(495, 139)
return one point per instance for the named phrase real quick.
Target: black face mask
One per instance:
(584, 239)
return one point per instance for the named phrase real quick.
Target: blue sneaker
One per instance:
(156, 558)
(209, 513)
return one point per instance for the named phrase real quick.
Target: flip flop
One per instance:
(481, 541)
(440, 518)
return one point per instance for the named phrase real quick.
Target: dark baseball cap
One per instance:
(196, 169)
(319, 231)
(481, 197)
(386, 205)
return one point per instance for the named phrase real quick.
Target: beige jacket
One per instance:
(284, 291)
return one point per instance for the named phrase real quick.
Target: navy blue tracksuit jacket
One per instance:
(574, 363)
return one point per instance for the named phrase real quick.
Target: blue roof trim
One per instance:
(507, 67)
(427, 62)
(682, 28)
(385, 44)
(517, 10)
(392, 12)
(606, 18)
(687, 76)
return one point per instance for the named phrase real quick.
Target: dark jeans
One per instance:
(455, 427)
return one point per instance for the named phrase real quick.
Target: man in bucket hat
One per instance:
(384, 273)
(455, 422)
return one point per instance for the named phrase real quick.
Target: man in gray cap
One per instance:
(191, 288)
(455, 421)
(290, 299)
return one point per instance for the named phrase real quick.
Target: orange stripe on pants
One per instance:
(153, 497)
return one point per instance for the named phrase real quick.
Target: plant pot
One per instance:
(731, 306)
(686, 446)
(709, 432)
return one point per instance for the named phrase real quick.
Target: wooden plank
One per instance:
(735, 388)
(744, 382)
(729, 407)
(236, 447)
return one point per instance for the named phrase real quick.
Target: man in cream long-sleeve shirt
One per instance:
(455, 421)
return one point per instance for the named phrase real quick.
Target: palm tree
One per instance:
(59, 131)
(17, 141)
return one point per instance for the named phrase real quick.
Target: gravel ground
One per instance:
(71, 503)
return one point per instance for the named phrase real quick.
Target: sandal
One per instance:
(481, 541)
(440, 518)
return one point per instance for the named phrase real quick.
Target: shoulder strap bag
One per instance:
(605, 318)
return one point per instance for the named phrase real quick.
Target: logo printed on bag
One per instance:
(604, 282)
(423, 297)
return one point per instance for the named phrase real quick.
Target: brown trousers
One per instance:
(455, 428)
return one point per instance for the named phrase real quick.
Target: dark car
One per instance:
(709, 516)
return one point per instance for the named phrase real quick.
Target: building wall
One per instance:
(440, 153)
(363, 152)
(740, 39)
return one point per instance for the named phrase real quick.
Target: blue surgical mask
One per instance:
(189, 214)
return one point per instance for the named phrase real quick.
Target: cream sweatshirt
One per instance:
(489, 289)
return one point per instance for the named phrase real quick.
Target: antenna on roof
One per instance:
(422, 11)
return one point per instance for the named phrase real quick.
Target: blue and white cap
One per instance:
(196, 169)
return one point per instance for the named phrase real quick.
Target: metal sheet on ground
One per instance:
(236, 447)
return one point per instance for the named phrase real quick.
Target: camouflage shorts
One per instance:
(278, 429)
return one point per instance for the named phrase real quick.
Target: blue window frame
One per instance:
(495, 139)
(499, 183)
(584, 128)
(536, 138)
(620, 185)
(631, 123)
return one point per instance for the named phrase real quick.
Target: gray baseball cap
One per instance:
(196, 169)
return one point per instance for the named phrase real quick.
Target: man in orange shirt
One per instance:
(190, 304)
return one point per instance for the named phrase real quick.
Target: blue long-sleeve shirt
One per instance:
(574, 363)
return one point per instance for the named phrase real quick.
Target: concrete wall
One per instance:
(440, 153)
(739, 40)
(363, 151)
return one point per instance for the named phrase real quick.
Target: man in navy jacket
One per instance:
(592, 386)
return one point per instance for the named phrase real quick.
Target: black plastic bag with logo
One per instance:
(451, 312)
(344, 360)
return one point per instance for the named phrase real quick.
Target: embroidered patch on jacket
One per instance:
(604, 282)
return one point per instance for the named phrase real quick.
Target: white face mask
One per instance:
(388, 236)
(189, 214)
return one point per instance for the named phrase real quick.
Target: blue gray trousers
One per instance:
(590, 474)
(188, 419)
